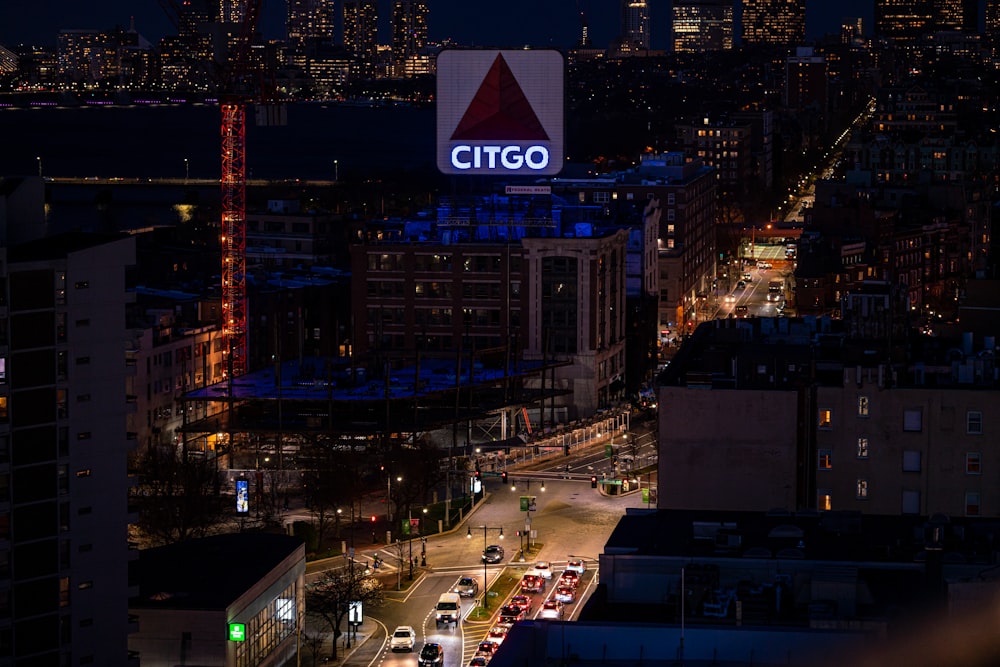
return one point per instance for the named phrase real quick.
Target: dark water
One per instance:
(154, 141)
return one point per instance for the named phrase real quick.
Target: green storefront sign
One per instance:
(237, 632)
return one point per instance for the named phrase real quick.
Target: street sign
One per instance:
(528, 503)
(609, 451)
(611, 482)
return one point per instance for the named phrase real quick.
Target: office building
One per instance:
(777, 22)
(806, 81)
(361, 36)
(409, 36)
(310, 21)
(702, 25)
(635, 23)
(64, 441)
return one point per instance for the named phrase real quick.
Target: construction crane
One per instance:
(238, 85)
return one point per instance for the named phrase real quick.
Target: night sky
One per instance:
(552, 23)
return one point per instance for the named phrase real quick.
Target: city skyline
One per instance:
(556, 23)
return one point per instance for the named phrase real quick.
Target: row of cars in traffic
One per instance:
(534, 582)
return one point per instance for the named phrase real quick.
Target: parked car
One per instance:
(403, 639)
(577, 565)
(569, 578)
(493, 554)
(523, 601)
(565, 594)
(467, 587)
(431, 655)
(552, 609)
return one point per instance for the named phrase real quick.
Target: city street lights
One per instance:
(336, 171)
(468, 536)
(187, 170)
(39, 160)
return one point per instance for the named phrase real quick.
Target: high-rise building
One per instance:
(409, 35)
(65, 404)
(909, 20)
(361, 35)
(806, 81)
(310, 20)
(702, 25)
(781, 22)
(635, 25)
(992, 16)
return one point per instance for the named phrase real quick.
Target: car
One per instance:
(531, 583)
(511, 614)
(569, 578)
(730, 298)
(497, 634)
(479, 661)
(577, 565)
(551, 609)
(403, 638)
(747, 276)
(742, 311)
(493, 554)
(467, 587)
(741, 284)
(565, 594)
(523, 601)
(541, 569)
(486, 648)
(431, 655)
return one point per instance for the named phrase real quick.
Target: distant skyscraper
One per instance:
(702, 25)
(310, 20)
(851, 30)
(956, 15)
(909, 20)
(361, 34)
(774, 21)
(231, 11)
(409, 34)
(635, 25)
(993, 16)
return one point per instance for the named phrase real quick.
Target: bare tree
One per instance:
(329, 599)
(178, 496)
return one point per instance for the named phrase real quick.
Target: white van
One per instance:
(448, 609)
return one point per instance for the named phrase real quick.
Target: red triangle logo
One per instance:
(499, 110)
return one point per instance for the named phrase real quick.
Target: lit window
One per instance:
(862, 406)
(973, 463)
(826, 418)
(974, 422)
(824, 500)
(972, 503)
(862, 489)
(911, 461)
(825, 459)
(862, 447)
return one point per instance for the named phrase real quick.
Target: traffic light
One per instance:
(593, 481)
(478, 475)
(503, 476)
(373, 518)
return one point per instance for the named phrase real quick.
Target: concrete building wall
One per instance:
(724, 449)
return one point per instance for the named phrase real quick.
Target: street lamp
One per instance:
(187, 170)
(336, 171)
(468, 536)
(388, 497)
(39, 160)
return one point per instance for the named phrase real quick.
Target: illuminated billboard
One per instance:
(242, 496)
(500, 112)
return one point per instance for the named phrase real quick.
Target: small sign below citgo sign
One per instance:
(237, 632)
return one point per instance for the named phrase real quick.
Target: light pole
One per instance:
(39, 160)
(388, 497)
(187, 170)
(468, 536)
(336, 171)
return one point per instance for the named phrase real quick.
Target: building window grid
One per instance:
(267, 630)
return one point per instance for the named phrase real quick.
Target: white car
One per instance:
(403, 638)
(578, 565)
(541, 569)
(551, 609)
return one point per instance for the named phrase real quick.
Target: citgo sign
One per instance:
(500, 112)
